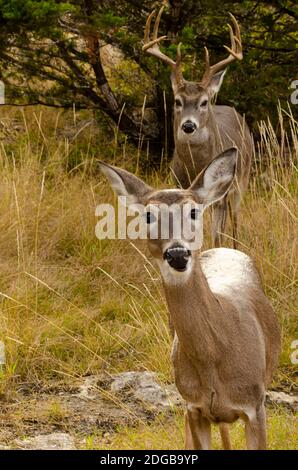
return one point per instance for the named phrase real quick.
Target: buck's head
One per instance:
(192, 100)
(191, 109)
(174, 249)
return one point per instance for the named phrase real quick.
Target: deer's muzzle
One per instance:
(177, 257)
(189, 127)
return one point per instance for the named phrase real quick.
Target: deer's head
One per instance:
(192, 100)
(184, 208)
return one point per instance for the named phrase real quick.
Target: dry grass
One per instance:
(72, 305)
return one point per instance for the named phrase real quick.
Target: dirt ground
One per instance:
(92, 405)
(82, 408)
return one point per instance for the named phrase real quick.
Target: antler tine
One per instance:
(151, 46)
(148, 44)
(235, 53)
(178, 55)
(156, 24)
(235, 40)
(207, 61)
(232, 37)
(147, 29)
(236, 25)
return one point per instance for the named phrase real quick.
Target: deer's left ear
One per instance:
(215, 83)
(125, 183)
(217, 178)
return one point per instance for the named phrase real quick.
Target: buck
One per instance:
(202, 130)
(227, 341)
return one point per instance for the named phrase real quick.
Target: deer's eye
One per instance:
(178, 103)
(204, 104)
(194, 213)
(150, 217)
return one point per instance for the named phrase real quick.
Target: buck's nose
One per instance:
(189, 127)
(177, 257)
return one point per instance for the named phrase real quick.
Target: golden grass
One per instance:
(72, 305)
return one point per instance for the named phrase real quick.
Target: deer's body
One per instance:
(225, 128)
(226, 343)
(227, 338)
(202, 130)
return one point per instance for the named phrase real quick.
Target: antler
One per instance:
(152, 47)
(235, 53)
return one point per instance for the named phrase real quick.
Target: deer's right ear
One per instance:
(125, 183)
(215, 83)
(214, 183)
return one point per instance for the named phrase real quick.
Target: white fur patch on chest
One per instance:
(227, 269)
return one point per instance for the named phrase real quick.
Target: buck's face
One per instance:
(174, 218)
(191, 110)
(192, 104)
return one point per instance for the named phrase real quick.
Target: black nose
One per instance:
(177, 257)
(189, 127)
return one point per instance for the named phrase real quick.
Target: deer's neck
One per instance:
(197, 316)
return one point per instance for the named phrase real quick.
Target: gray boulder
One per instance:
(144, 387)
(54, 441)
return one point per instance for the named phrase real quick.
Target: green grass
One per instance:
(282, 435)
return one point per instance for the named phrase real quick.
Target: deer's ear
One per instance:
(125, 183)
(217, 178)
(216, 82)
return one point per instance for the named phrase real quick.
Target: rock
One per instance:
(4, 447)
(281, 398)
(144, 387)
(54, 441)
(111, 56)
(88, 389)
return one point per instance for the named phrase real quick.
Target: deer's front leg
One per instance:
(197, 430)
(255, 430)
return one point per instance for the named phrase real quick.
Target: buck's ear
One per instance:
(217, 179)
(125, 183)
(215, 83)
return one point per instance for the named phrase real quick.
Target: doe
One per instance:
(226, 336)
